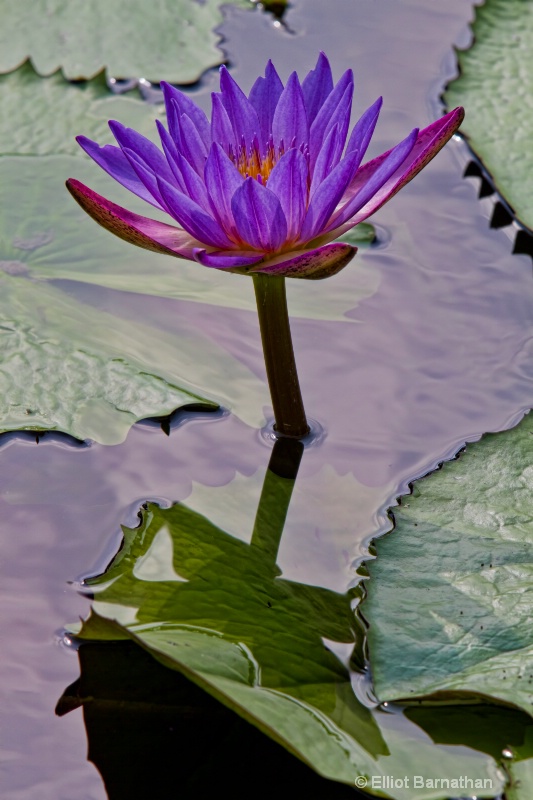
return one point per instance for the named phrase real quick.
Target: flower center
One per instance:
(250, 162)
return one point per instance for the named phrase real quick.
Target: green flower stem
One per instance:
(282, 376)
(275, 497)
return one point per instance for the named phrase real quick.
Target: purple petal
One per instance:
(327, 159)
(222, 179)
(326, 198)
(115, 163)
(147, 151)
(223, 260)
(193, 218)
(185, 177)
(313, 264)
(332, 112)
(428, 143)
(290, 119)
(193, 185)
(188, 107)
(288, 180)
(241, 113)
(264, 98)
(147, 176)
(258, 216)
(376, 180)
(141, 231)
(172, 154)
(192, 147)
(317, 85)
(221, 128)
(173, 120)
(364, 129)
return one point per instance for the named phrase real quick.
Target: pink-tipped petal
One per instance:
(141, 231)
(221, 259)
(376, 182)
(428, 143)
(314, 265)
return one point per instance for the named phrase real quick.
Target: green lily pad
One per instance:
(70, 367)
(41, 116)
(450, 596)
(56, 375)
(172, 40)
(217, 609)
(495, 86)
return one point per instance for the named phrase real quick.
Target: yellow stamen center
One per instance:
(251, 164)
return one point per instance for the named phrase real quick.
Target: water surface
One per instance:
(437, 355)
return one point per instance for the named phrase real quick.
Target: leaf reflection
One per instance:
(218, 610)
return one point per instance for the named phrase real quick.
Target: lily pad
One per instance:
(42, 116)
(56, 375)
(217, 609)
(450, 596)
(171, 40)
(68, 366)
(495, 86)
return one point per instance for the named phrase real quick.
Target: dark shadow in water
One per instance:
(502, 213)
(154, 734)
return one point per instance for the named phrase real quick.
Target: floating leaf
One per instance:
(70, 367)
(218, 609)
(42, 116)
(495, 86)
(450, 598)
(170, 40)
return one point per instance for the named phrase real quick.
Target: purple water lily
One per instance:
(268, 184)
(264, 189)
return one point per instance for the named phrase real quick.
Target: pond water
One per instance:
(436, 352)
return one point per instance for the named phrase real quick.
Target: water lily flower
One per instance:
(263, 189)
(268, 184)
